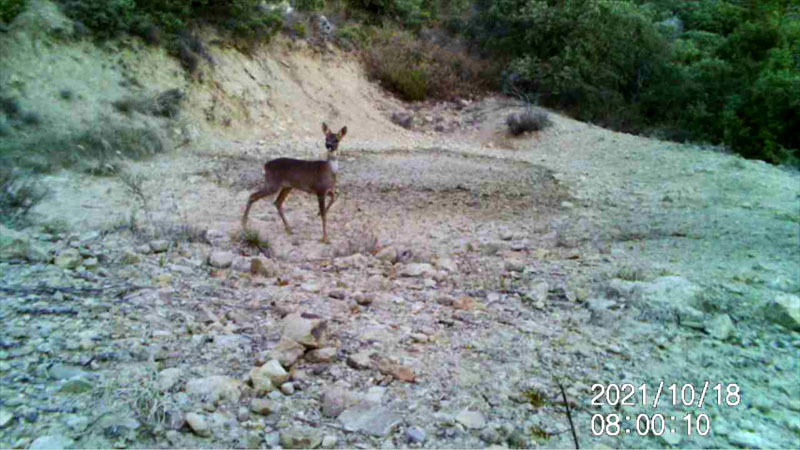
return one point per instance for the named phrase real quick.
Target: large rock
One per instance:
(371, 419)
(473, 420)
(198, 424)
(69, 258)
(52, 442)
(287, 352)
(414, 270)
(785, 311)
(307, 329)
(301, 438)
(220, 259)
(215, 388)
(274, 371)
(336, 399)
(720, 327)
(168, 378)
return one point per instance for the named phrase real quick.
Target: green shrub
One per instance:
(106, 18)
(19, 192)
(531, 119)
(9, 9)
(309, 5)
(96, 150)
(417, 70)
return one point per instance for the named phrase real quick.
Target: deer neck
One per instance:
(333, 160)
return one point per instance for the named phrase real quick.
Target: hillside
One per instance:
(468, 271)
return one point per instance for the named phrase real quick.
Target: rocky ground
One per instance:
(469, 275)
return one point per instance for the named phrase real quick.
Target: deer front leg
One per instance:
(332, 195)
(322, 212)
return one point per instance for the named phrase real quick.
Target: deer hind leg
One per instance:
(322, 212)
(254, 197)
(279, 204)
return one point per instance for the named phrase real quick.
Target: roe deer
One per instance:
(314, 177)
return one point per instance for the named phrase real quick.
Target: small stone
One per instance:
(720, 327)
(398, 371)
(471, 419)
(218, 238)
(263, 267)
(514, 265)
(306, 329)
(260, 380)
(329, 441)
(198, 424)
(360, 360)
(76, 385)
(220, 259)
(5, 418)
(338, 294)
(465, 303)
(214, 389)
(159, 246)
(310, 286)
(415, 435)
(287, 388)
(335, 400)
(287, 352)
(276, 373)
(785, 311)
(321, 355)
(537, 292)
(300, 438)
(76, 423)
(419, 337)
(415, 270)
(375, 395)
(747, 439)
(671, 439)
(243, 414)
(69, 258)
(447, 264)
(373, 420)
(363, 299)
(51, 442)
(261, 406)
(388, 254)
(490, 436)
(241, 264)
(252, 439)
(168, 378)
(272, 440)
(90, 263)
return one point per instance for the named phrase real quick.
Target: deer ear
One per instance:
(325, 128)
(343, 132)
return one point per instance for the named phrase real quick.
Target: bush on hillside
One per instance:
(19, 192)
(418, 70)
(9, 9)
(531, 119)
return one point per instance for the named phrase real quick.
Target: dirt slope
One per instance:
(482, 267)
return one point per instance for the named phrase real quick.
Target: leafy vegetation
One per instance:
(19, 192)
(9, 9)
(717, 71)
(244, 19)
(720, 71)
(415, 69)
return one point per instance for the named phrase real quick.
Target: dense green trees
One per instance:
(719, 71)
